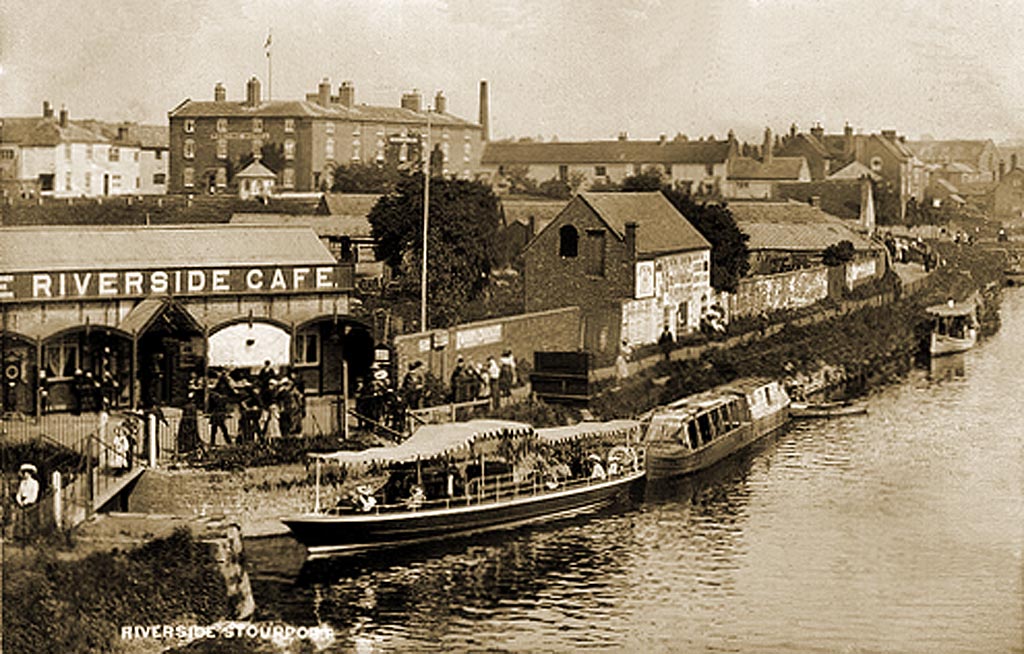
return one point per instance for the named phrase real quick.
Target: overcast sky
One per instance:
(578, 69)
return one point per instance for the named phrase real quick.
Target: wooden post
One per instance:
(39, 378)
(316, 503)
(344, 397)
(151, 435)
(58, 508)
(133, 392)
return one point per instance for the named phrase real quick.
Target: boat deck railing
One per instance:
(494, 489)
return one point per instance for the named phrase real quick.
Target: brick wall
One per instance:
(524, 334)
(788, 290)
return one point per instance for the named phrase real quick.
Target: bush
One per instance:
(51, 605)
(280, 451)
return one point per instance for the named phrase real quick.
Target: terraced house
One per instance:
(52, 155)
(304, 141)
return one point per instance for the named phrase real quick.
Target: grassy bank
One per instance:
(60, 606)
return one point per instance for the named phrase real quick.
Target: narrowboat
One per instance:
(697, 431)
(954, 327)
(459, 479)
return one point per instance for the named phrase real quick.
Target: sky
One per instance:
(571, 69)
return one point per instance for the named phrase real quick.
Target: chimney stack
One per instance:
(766, 148)
(122, 132)
(1013, 162)
(63, 116)
(485, 112)
(440, 103)
(889, 135)
(219, 93)
(867, 206)
(1002, 170)
(630, 239)
(47, 109)
(252, 92)
(818, 131)
(792, 130)
(323, 92)
(815, 201)
(347, 94)
(412, 101)
(623, 136)
(847, 139)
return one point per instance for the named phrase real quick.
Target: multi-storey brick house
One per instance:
(630, 261)
(210, 141)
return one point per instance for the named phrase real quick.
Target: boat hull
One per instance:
(667, 460)
(942, 344)
(326, 535)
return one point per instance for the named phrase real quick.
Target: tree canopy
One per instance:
(730, 257)
(365, 178)
(461, 250)
(837, 253)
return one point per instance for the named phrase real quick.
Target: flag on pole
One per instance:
(266, 46)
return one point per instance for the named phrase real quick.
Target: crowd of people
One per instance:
(270, 405)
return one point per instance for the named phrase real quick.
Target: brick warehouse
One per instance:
(630, 261)
(210, 141)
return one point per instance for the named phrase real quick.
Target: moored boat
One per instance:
(954, 327)
(826, 409)
(697, 431)
(464, 478)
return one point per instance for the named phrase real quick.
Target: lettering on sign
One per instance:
(644, 279)
(112, 284)
(859, 270)
(477, 336)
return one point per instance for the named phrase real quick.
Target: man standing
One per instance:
(665, 342)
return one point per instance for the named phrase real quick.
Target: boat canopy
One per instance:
(432, 441)
(950, 310)
(616, 428)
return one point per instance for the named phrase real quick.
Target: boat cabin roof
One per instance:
(586, 430)
(949, 310)
(431, 441)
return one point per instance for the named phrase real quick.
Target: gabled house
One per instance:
(887, 155)
(630, 261)
(1005, 201)
(981, 158)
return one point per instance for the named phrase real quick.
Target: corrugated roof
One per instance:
(351, 226)
(780, 168)
(598, 152)
(793, 226)
(660, 226)
(24, 249)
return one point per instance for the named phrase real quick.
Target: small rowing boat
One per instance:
(826, 409)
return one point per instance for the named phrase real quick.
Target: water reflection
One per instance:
(947, 368)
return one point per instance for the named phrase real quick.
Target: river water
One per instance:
(898, 531)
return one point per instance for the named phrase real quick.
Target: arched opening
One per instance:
(85, 367)
(568, 241)
(18, 373)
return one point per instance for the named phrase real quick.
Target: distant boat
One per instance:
(459, 479)
(826, 409)
(954, 327)
(696, 432)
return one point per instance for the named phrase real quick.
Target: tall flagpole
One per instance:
(426, 224)
(270, 78)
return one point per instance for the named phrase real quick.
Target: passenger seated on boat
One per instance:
(597, 470)
(362, 498)
(416, 497)
(556, 473)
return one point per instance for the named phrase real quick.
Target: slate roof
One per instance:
(543, 211)
(257, 170)
(40, 131)
(351, 226)
(348, 204)
(780, 168)
(25, 249)
(855, 170)
(660, 227)
(792, 142)
(969, 151)
(306, 109)
(608, 152)
(793, 227)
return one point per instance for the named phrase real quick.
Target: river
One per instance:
(898, 531)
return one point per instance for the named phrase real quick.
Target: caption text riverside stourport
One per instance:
(228, 630)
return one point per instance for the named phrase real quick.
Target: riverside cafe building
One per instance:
(151, 307)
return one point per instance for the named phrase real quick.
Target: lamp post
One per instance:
(426, 224)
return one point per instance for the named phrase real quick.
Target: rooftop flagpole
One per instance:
(270, 78)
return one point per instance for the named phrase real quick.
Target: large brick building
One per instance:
(630, 261)
(308, 139)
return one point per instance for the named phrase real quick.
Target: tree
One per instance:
(365, 178)
(464, 221)
(837, 254)
(649, 180)
(730, 258)
(555, 188)
(887, 203)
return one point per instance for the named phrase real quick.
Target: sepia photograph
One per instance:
(372, 326)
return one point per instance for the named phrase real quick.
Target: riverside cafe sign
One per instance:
(202, 281)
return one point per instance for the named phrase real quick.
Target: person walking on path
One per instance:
(493, 376)
(507, 374)
(665, 342)
(28, 487)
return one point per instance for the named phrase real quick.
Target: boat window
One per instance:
(705, 428)
(691, 429)
(767, 395)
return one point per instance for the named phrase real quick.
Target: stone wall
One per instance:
(788, 290)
